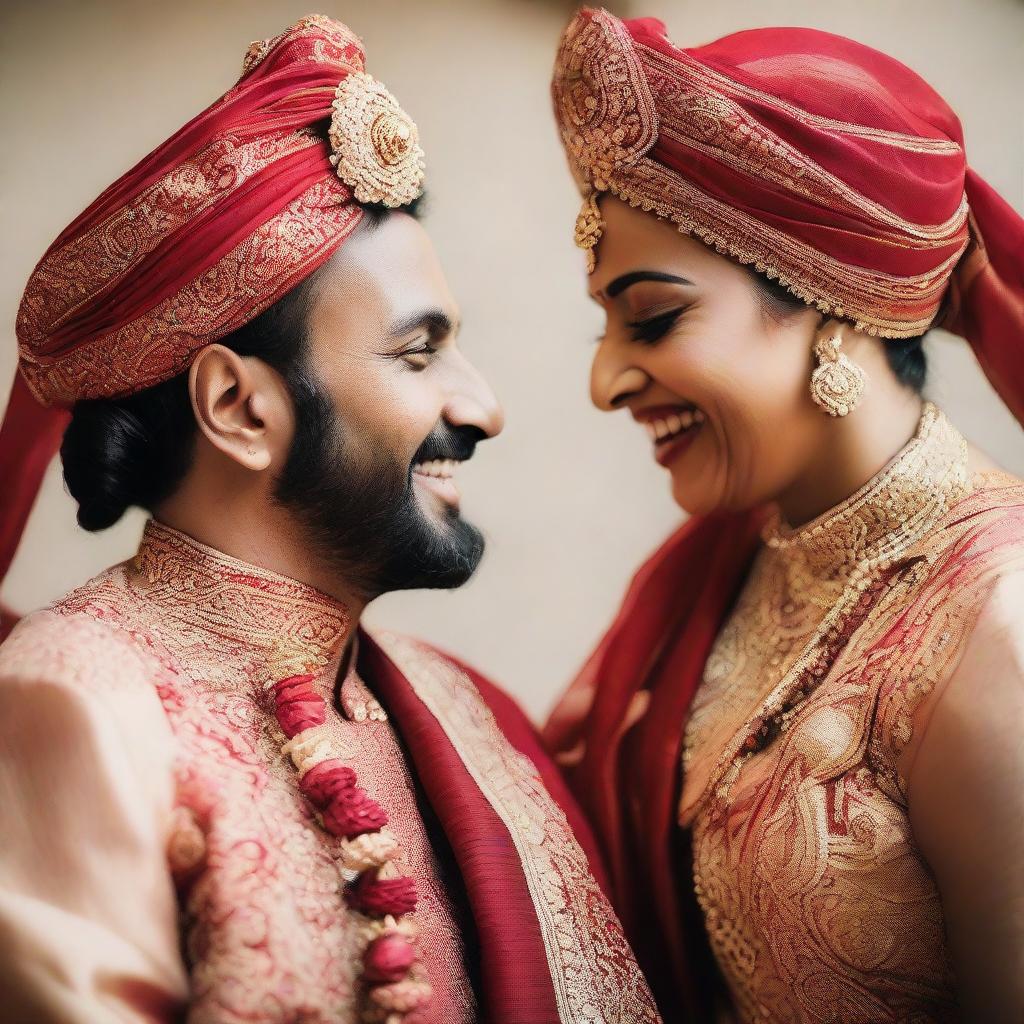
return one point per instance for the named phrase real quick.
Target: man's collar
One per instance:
(290, 624)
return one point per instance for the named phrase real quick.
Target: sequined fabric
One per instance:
(816, 901)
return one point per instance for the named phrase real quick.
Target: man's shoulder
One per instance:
(75, 649)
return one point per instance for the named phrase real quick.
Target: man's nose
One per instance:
(473, 403)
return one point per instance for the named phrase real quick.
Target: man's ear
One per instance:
(240, 404)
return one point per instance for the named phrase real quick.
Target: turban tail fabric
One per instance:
(205, 233)
(839, 172)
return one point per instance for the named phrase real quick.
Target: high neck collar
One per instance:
(290, 625)
(891, 512)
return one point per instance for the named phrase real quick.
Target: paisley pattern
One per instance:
(817, 903)
(606, 112)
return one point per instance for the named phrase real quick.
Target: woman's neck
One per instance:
(853, 450)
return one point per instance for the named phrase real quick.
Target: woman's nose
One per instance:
(614, 379)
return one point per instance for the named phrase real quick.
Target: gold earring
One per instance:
(838, 383)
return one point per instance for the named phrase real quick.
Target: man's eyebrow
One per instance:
(436, 321)
(621, 283)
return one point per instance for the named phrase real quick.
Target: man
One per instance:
(219, 797)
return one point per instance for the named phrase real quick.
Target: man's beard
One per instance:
(362, 514)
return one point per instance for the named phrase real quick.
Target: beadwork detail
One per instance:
(376, 144)
(589, 228)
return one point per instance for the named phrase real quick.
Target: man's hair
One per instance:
(135, 451)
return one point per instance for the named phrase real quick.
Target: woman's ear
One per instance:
(240, 404)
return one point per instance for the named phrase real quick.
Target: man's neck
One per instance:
(267, 537)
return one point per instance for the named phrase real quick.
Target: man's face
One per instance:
(394, 408)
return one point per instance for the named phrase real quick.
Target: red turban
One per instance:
(838, 171)
(821, 162)
(202, 235)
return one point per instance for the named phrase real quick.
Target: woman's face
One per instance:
(704, 363)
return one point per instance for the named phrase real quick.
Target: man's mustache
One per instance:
(446, 442)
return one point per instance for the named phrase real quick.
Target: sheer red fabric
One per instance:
(836, 169)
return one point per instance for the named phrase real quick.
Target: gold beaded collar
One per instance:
(236, 606)
(890, 513)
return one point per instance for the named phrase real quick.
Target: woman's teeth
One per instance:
(668, 426)
(443, 468)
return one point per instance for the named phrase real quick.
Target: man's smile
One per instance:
(437, 475)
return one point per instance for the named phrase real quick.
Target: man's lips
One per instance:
(437, 475)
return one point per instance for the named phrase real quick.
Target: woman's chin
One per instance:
(694, 499)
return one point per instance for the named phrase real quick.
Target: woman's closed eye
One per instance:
(650, 329)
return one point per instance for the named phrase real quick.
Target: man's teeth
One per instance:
(443, 468)
(674, 423)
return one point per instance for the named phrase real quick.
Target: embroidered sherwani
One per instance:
(160, 858)
(816, 899)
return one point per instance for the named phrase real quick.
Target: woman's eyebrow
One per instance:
(624, 281)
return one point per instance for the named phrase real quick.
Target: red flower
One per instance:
(353, 812)
(387, 959)
(298, 706)
(379, 897)
(324, 781)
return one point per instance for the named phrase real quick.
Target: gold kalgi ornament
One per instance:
(376, 144)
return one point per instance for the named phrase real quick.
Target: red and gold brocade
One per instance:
(144, 766)
(816, 899)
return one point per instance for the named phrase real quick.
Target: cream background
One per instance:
(570, 499)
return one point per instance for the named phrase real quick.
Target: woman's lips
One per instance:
(672, 429)
(669, 449)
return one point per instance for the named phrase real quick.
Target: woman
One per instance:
(800, 740)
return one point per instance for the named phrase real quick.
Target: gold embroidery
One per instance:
(150, 348)
(713, 123)
(899, 140)
(606, 112)
(263, 920)
(376, 144)
(611, 95)
(816, 900)
(832, 286)
(592, 969)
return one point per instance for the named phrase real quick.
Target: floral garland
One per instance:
(375, 890)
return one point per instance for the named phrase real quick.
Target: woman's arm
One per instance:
(965, 779)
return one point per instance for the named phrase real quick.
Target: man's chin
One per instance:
(444, 561)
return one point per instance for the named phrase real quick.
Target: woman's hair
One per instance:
(906, 356)
(135, 451)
